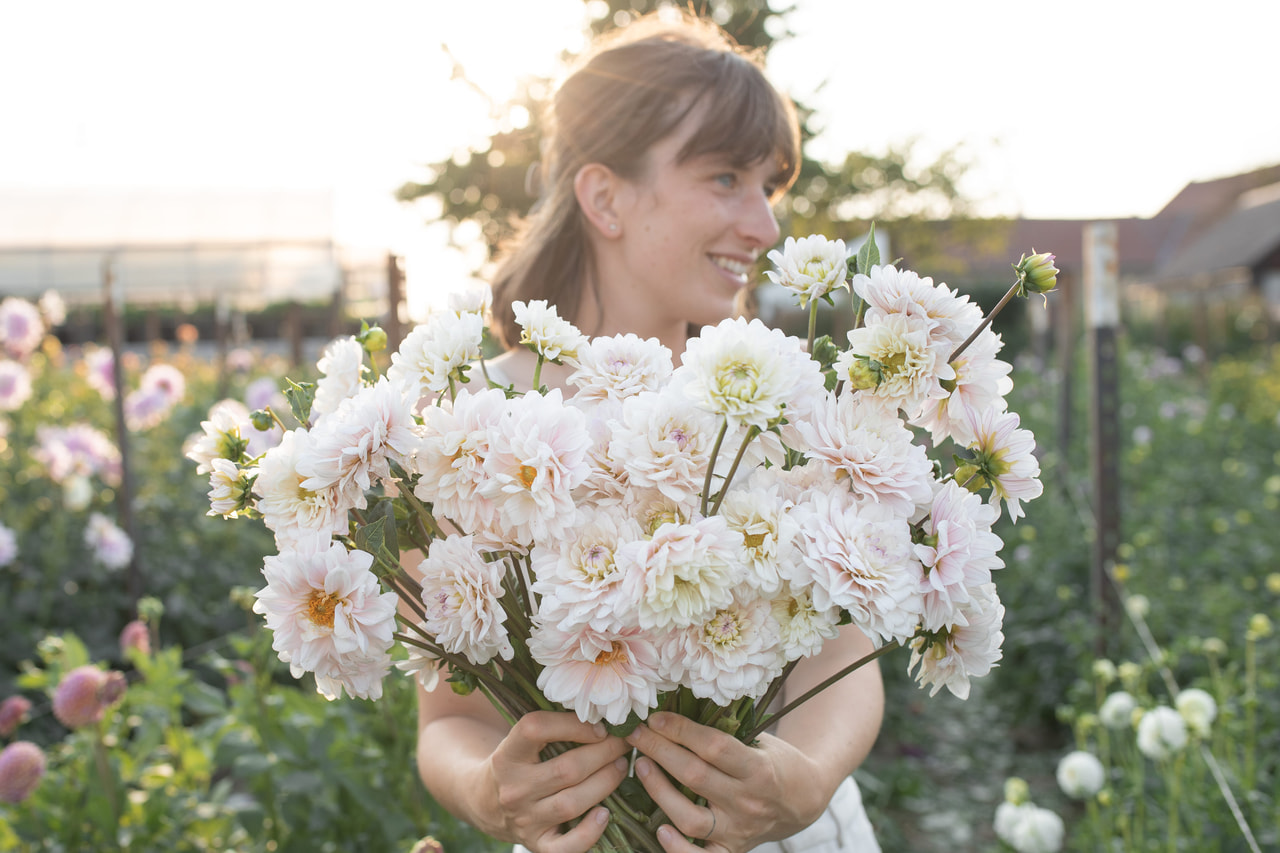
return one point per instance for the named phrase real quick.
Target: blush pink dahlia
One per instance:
(21, 769)
(598, 674)
(84, 694)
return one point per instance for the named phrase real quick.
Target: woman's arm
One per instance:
(782, 785)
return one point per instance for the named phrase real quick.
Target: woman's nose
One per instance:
(758, 224)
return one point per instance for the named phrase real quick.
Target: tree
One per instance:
(492, 187)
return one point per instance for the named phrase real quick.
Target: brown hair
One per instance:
(632, 90)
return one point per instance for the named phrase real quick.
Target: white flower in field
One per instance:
(1004, 457)
(967, 649)
(1037, 830)
(77, 493)
(959, 551)
(579, 577)
(683, 574)
(981, 382)
(53, 308)
(909, 363)
(760, 513)
(1008, 816)
(144, 409)
(353, 447)
(421, 664)
(230, 492)
(462, 596)
(949, 316)
(222, 436)
(810, 267)
(100, 372)
(863, 566)
(288, 509)
(802, 627)
(21, 327)
(341, 366)
(15, 385)
(537, 456)
(1161, 732)
(664, 442)
(361, 675)
(870, 451)
(451, 457)
(606, 480)
(325, 608)
(431, 356)
(730, 655)
(598, 674)
(1198, 708)
(620, 366)
(651, 509)
(8, 546)
(1080, 774)
(165, 380)
(110, 545)
(748, 373)
(546, 333)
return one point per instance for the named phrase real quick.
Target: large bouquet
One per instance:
(667, 537)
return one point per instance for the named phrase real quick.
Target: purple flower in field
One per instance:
(21, 769)
(13, 713)
(100, 367)
(84, 694)
(111, 546)
(15, 385)
(137, 636)
(21, 327)
(164, 379)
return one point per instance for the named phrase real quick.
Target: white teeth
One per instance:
(738, 268)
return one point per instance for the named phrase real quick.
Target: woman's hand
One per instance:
(754, 794)
(532, 798)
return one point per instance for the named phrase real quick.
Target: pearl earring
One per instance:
(613, 226)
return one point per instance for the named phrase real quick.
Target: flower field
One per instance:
(205, 742)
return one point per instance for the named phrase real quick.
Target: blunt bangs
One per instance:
(745, 120)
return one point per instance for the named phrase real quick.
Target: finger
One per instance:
(579, 839)
(719, 749)
(673, 842)
(576, 767)
(693, 820)
(535, 730)
(563, 803)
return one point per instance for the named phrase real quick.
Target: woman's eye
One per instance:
(727, 179)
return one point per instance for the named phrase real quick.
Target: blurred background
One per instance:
(199, 197)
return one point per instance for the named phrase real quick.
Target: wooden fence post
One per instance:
(395, 296)
(1102, 301)
(112, 311)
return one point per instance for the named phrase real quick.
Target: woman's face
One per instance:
(690, 233)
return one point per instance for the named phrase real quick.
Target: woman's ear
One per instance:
(597, 188)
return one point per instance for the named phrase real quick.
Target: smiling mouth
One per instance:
(738, 269)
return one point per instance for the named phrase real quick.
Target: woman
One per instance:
(666, 151)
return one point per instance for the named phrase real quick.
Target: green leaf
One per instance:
(387, 511)
(869, 254)
(372, 537)
(300, 397)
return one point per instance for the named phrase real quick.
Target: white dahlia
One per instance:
(288, 509)
(802, 627)
(341, 366)
(811, 267)
(734, 653)
(760, 513)
(579, 577)
(451, 458)
(664, 442)
(546, 333)
(430, 358)
(981, 382)
(968, 649)
(958, 553)
(887, 290)
(910, 364)
(1004, 455)
(597, 674)
(684, 573)
(462, 596)
(620, 366)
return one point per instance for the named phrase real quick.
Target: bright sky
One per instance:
(1086, 109)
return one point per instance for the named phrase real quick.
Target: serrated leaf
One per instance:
(372, 537)
(869, 254)
(390, 541)
(301, 396)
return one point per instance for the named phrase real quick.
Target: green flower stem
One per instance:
(986, 321)
(770, 719)
(762, 704)
(813, 324)
(752, 432)
(105, 776)
(276, 418)
(711, 463)
(488, 681)
(1250, 712)
(537, 372)
(1175, 782)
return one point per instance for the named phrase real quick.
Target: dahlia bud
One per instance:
(863, 374)
(261, 420)
(1036, 273)
(1259, 627)
(13, 713)
(21, 769)
(1016, 791)
(84, 694)
(372, 338)
(135, 637)
(428, 845)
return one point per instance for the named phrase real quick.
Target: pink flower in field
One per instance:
(135, 637)
(13, 713)
(959, 552)
(100, 366)
(15, 385)
(166, 380)
(77, 450)
(21, 327)
(461, 594)
(598, 674)
(84, 694)
(144, 409)
(111, 546)
(21, 769)
(451, 458)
